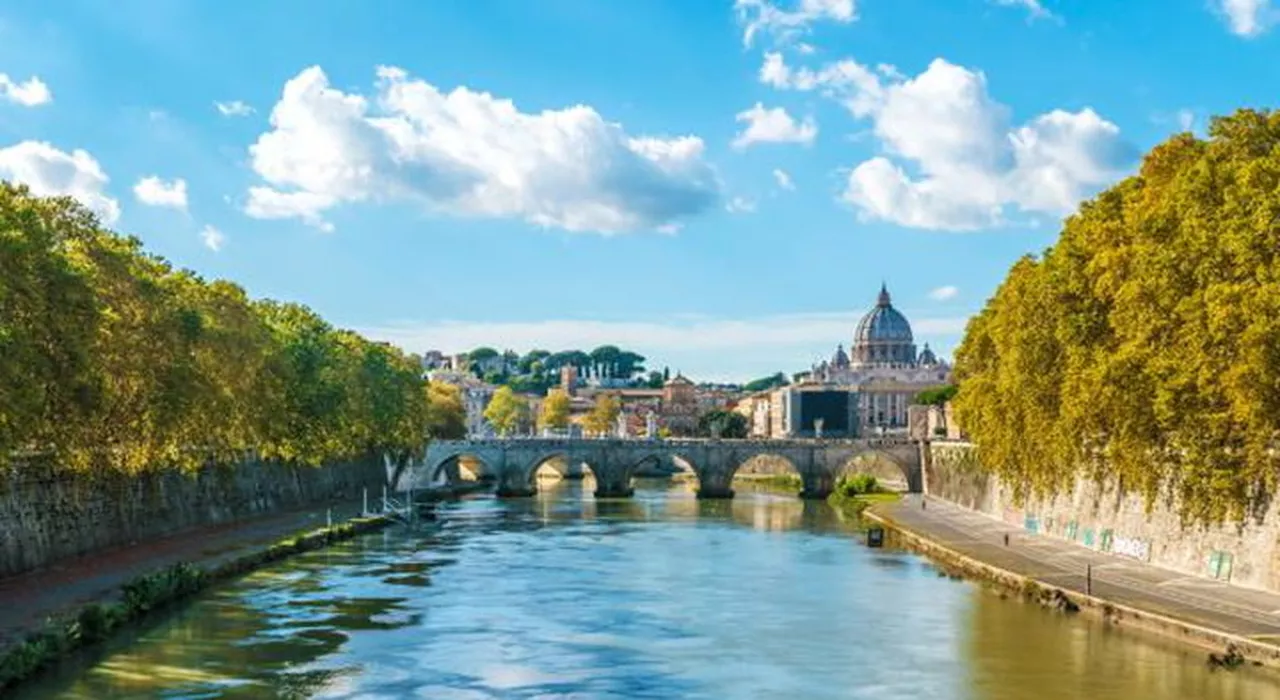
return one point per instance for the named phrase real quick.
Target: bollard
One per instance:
(1006, 539)
(1088, 579)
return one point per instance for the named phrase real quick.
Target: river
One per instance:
(658, 596)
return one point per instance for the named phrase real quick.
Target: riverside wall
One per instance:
(1101, 518)
(49, 514)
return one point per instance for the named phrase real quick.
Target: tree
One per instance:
(1142, 350)
(555, 410)
(506, 410)
(603, 415)
(604, 361)
(655, 380)
(725, 424)
(446, 415)
(666, 374)
(771, 382)
(114, 359)
(937, 397)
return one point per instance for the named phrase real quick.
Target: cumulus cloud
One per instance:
(783, 179)
(765, 16)
(1034, 8)
(30, 93)
(740, 205)
(234, 108)
(773, 125)
(952, 159)
(50, 172)
(155, 192)
(1247, 18)
(212, 238)
(470, 154)
(944, 293)
(706, 347)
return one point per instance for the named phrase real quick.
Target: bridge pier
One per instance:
(817, 485)
(714, 492)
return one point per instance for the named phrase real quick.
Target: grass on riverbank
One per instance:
(144, 594)
(857, 492)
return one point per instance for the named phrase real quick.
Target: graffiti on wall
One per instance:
(1131, 547)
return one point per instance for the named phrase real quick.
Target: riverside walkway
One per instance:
(27, 599)
(1242, 612)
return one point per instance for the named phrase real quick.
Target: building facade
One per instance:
(879, 377)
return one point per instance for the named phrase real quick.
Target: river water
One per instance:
(659, 596)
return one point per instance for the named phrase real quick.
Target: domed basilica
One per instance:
(882, 366)
(864, 391)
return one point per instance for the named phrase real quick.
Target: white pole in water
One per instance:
(385, 506)
(328, 518)
(365, 511)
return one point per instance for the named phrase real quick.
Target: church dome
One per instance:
(840, 359)
(927, 358)
(883, 336)
(882, 324)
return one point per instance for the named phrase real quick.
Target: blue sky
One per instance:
(720, 185)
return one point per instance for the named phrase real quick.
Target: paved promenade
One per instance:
(1240, 611)
(27, 599)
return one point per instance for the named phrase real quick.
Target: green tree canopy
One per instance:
(721, 423)
(603, 415)
(506, 410)
(771, 382)
(555, 410)
(112, 359)
(937, 397)
(1144, 346)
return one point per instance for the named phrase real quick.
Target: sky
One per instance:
(720, 186)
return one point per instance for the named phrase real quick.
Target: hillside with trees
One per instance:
(114, 359)
(1143, 348)
(538, 370)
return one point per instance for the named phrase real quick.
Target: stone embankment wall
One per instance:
(1104, 520)
(48, 514)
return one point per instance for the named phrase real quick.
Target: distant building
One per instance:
(679, 413)
(882, 368)
(434, 359)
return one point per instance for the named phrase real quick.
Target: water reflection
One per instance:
(660, 596)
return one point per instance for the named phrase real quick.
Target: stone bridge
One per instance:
(513, 463)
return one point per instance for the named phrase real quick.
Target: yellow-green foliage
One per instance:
(1144, 346)
(111, 358)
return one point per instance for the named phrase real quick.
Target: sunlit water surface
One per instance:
(659, 596)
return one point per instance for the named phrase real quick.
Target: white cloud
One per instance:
(773, 125)
(157, 193)
(740, 205)
(1247, 18)
(783, 179)
(1035, 8)
(944, 293)
(50, 172)
(471, 154)
(952, 158)
(234, 108)
(704, 347)
(212, 238)
(1186, 120)
(30, 93)
(766, 16)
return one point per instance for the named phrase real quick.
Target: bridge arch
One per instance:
(773, 467)
(458, 466)
(562, 463)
